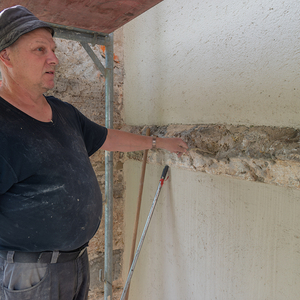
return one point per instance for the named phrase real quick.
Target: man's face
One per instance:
(33, 60)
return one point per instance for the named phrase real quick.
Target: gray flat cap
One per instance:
(16, 21)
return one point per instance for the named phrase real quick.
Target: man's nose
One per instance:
(52, 59)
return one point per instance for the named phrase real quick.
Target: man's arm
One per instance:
(125, 142)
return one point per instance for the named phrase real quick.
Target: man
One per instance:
(50, 202)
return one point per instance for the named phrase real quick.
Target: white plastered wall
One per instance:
(233, 62)
(213, 237)
(199, 62)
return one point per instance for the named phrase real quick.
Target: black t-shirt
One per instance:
(49, 195)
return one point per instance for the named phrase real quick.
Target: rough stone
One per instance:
(257, 153)
(97, 264)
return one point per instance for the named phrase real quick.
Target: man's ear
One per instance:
(4, 57)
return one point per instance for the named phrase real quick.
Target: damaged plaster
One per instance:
(256, 153)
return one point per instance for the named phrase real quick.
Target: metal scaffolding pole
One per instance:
(109, 95)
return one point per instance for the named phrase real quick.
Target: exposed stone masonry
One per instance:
(257, 153)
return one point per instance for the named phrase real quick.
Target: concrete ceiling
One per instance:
(102, 16)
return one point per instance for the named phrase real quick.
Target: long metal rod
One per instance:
(138, 250)
(109, 95)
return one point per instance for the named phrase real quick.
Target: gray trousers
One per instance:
(40, 281)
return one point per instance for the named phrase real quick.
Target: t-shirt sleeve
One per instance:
(7, 176)
(94, 134)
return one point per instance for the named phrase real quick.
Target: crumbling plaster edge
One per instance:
(258, 153)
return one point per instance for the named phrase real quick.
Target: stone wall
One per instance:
(257, 153)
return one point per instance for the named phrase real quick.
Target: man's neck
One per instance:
(30, 102)
(17, 94)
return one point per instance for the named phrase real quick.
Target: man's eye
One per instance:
(40, 49)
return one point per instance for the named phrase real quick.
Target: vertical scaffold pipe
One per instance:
(109, 95)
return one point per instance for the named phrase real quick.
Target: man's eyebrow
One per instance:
(43, 42)
(40, 41)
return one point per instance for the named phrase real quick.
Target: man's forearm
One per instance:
(126, 142)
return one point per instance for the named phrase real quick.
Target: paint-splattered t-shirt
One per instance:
(49, 194)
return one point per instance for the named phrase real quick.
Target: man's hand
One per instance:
(174, 145)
